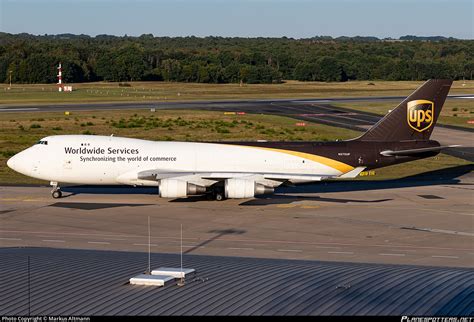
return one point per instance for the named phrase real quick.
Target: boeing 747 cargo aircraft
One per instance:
(236, 169)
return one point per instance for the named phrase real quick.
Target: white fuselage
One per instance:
(88, 159)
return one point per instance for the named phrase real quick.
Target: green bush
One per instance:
(8, 153)
(222, 131)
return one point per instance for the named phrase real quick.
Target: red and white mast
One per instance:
(60, 80)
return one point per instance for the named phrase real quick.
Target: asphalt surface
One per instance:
(232, 104)
(314, 110)
(423, 220)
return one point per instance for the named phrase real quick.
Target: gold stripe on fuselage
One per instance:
(340, 166)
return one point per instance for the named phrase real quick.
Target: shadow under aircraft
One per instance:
(286, 195)
(430, 178)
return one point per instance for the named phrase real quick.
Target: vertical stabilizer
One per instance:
(415, 117)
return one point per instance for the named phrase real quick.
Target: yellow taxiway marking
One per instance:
(299, 205)
(309, 207)
(20, 199)
(286, 206)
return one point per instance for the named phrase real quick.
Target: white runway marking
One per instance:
(347, 253)
(442, 256)
(54, 241)
(18, 109)
(5, 238)
(390, 254)
(240, 248)
(46, 236)
(154, 245)
(313, 101)
(320, 244)
(290, 250)
(98, 235)
(96, 242)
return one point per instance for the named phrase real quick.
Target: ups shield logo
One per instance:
(420, 114)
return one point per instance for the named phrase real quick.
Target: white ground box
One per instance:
(174, 272)
(145, 279)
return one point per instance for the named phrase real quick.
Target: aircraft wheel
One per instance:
(57, 194)
(219, 196)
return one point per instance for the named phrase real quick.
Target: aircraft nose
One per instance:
(12, 161)
(18, 163)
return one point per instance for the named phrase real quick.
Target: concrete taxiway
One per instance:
(421, 221)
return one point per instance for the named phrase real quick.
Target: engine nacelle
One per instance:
(172, 188)
(241, 188)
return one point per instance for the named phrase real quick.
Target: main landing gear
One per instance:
(56, 192)
(219, 196)
(216, 192)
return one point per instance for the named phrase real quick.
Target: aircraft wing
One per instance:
(209, 178)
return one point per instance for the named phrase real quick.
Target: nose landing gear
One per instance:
(56, 192)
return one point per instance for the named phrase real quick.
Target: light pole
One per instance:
(10, 79)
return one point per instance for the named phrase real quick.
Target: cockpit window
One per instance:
(42, 142)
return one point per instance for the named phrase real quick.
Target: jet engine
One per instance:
(172, 188)
(242, 188)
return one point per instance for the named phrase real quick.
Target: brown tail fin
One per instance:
(415, 117)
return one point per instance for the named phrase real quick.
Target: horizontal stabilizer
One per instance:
(410, 152)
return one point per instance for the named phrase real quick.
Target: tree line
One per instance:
(33, 59)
